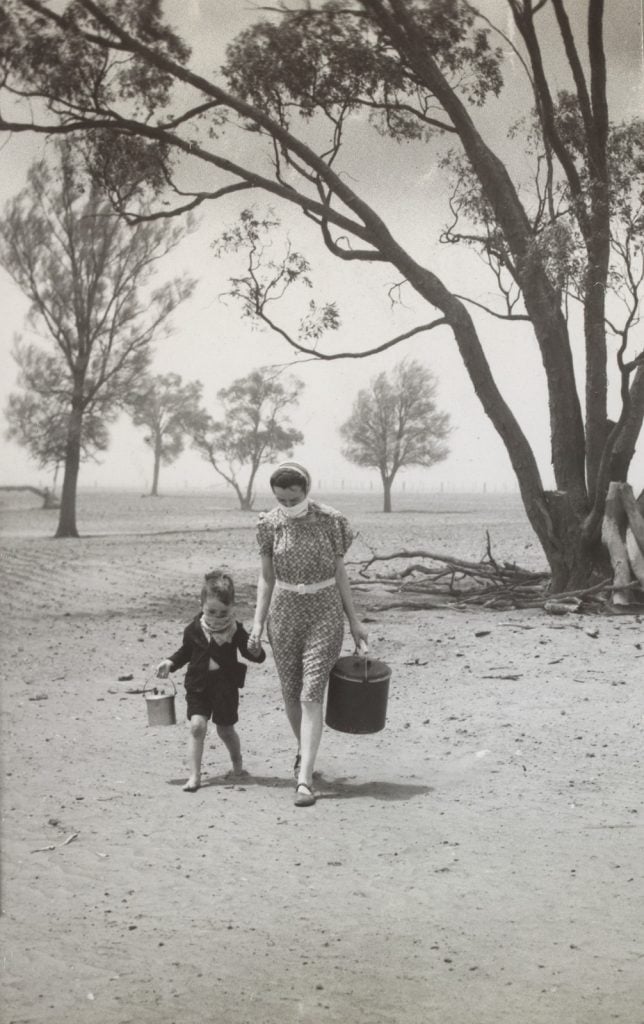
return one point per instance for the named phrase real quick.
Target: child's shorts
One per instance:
(217, 700)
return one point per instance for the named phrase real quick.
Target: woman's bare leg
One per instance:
(294, 715)
(310, 736)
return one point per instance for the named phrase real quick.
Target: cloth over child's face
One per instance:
(215, 612)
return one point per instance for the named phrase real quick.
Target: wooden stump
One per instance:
(623, 536)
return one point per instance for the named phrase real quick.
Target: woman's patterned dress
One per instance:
(305, 630)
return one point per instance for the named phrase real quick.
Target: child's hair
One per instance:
(218, 584)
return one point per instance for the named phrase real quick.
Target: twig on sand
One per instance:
(55, 846)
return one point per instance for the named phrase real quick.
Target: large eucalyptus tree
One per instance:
(299, 83)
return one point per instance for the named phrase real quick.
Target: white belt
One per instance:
(305, 588)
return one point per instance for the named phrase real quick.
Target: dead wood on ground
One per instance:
(431, 580)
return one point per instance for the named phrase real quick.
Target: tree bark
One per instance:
(154, 491)
(67, 518)
(625, 446)
(249, 497)
(243, 501)
(386, 491)
(574, 563)
(613, 536)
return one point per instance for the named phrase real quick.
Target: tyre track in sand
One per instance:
(73, 577)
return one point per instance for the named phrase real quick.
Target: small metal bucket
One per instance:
(160, 705)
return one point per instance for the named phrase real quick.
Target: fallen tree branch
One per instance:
(488, 583)
(49, 500)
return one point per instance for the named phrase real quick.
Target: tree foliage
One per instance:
(253, 430)
(394, 423)
(88, 278)
(269, 274)
(171, 411)
(38, 413)
(302, 84)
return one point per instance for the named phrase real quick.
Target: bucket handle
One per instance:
(362, 651)
(149, 684)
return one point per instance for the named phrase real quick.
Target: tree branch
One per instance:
(492, 312)
(440, 322)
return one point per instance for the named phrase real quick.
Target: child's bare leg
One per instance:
(228, 736)
(198, 727)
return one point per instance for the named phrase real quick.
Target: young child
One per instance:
(214, 676)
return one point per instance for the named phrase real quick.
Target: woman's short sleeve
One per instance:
(341, 535)
(264, 536)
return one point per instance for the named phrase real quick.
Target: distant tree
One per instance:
(172, 411)
(254, 429)
(83, 270)
(39, 421)
(394, 423)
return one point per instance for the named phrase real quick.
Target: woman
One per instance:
(304, 582)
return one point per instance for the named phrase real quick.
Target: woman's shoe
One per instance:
(304, 795)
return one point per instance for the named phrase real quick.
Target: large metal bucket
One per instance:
(160, 705)
(358, 693)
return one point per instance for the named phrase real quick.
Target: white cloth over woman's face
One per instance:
(296, 511)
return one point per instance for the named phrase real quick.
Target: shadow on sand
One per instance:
(326, 789)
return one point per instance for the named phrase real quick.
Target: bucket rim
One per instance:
(360, 679)
(150, 683)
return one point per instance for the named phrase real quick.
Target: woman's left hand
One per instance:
(359, 634)
(255, 641)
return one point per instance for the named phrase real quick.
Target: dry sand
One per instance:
(477, 862)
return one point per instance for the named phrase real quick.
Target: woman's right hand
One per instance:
(360, 637)
(163, 668)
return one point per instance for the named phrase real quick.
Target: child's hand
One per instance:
(255, 642)
(163, 668)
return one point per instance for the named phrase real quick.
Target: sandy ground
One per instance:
(476, 862)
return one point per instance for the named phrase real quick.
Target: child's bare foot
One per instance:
(193, 784)
(237, 771)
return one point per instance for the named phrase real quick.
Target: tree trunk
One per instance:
(386, 489)
(154, 491)
(243, 498)
(249, 497)
(574, 563)
(541, 298)
(626, 442)
(67, 517)
(49, 500)
(567, 432)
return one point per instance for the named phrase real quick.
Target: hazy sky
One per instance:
(211, 343)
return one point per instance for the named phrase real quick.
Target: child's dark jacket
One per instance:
(196, 652)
